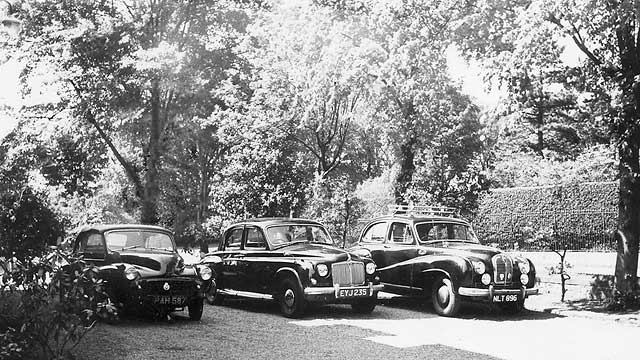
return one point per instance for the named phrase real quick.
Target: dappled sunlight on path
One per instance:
(522, 338)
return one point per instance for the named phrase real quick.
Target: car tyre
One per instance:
(364, 306)
(513, 308)
(195, 309)
(445, 300)
(291, 299)
(212, 295)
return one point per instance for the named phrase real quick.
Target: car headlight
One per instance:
(524, 279)
(131, 273)
(486, 279)
(322, 270)
(205, 272)
(523, 265)
(479, 267)
(371, 268)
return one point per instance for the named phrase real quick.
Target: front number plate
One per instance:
(505, 298)
(168, 300)
(353, 292)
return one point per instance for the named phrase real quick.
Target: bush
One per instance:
(48, 305)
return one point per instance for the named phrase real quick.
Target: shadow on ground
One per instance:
(468, 310)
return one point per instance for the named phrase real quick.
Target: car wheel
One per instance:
(195, 309)
(364, 306)
(212, 296)
(445, 301)
(291, 299)
(513, 308)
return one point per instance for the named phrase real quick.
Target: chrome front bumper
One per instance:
(488, 293)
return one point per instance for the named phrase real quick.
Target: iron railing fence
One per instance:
(576, 230)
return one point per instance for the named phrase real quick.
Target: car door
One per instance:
(231, 253)
(373, 239)
(400, 246)
(259, 268)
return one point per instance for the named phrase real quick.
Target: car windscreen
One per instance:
(439, 231)
(282, 234)
(138, 239)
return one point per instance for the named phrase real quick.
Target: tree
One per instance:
(131, 71)
(313, 82)
(415, 96)
(605, 33)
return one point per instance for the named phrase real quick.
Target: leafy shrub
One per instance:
(27, 225)
(48, 306)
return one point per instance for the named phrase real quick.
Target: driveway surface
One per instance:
(398, 329)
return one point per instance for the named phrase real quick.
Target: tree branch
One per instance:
(129, 170)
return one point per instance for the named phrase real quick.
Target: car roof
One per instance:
(420, 218)
(268, 221)
(109, 227)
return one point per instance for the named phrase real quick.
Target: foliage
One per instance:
(340, 212)
(54, 302)
(531, 34)
(27, 225)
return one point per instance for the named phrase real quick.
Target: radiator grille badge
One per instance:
(166, 286)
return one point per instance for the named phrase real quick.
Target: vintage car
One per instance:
(142, 270)
(291, 261)
(427, 251)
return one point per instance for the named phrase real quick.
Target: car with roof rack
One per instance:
(293, 262)
(142, 270)
(429, 251)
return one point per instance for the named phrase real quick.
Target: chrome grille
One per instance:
(502, 269)
(348, 273)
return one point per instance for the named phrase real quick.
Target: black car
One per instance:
(142, 270)
(427, 251)
(291, 261)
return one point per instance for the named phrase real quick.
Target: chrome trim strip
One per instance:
(474, 292)
(245, 294)
(390, 285)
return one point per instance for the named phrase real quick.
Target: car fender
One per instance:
(214, 262)
(456, 268)
(286, 271)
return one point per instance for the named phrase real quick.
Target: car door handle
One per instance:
(240, 256)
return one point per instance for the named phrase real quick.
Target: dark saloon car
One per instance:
(142, 269)
(291, 261)
(427, 251)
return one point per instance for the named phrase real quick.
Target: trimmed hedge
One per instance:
(580, 216)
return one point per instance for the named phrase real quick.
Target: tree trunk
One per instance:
(149, 212)
(539, 133)
(628, 138)
(628, 222)
(407, 168)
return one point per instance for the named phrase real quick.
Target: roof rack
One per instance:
(413, 210)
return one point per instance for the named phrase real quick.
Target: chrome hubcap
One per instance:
(289, 297)
(443, 294)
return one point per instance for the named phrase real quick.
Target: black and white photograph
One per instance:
(319, 179)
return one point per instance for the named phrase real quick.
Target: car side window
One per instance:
(233, 239)
(401, 233)
(255, 239)
(91, 244)
(375, 233)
